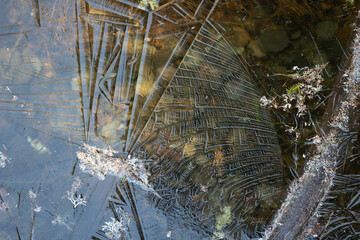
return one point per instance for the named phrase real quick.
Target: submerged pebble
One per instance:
(256, 50)
(274, 40)
(325, 29)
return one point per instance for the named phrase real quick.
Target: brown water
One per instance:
(175, 84)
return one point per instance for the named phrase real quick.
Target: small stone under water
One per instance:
(274, 40)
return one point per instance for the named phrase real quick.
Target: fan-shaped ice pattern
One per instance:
(155, 81)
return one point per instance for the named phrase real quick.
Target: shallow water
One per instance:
(175, 84)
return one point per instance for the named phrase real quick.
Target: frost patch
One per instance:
(101, 162)
(114, 229)
(32, 195)
(308, 85)
(61, 221)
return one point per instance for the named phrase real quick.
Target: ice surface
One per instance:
(157, 82)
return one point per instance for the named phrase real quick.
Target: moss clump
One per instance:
(221, 222)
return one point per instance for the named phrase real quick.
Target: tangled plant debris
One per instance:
(297, 96)
(101, 162)
(297, 104)
(299, 213)
(308, 85)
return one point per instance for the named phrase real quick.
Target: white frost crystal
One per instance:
(114, 228)
(37, 209)
(75, 198)
(32, 195)
(3, 160)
